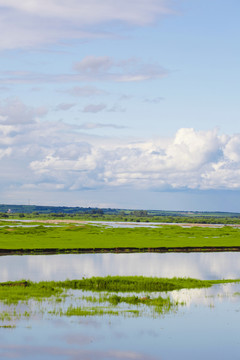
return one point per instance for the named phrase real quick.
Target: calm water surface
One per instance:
(205, 327)
(60, 267)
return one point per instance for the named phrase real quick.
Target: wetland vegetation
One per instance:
(95, 296)
(15, 291)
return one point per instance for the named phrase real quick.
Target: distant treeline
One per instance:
(88, 213)
(29, 209)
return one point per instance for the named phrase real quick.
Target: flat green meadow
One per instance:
(96, 238)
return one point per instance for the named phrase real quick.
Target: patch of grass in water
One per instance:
(115, 292)
(138, 283)
(13, 292)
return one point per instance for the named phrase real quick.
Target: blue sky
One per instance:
(129, 104)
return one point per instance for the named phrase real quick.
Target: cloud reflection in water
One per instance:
(60, 267)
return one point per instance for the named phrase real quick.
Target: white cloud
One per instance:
(232, 149)
(13, 111)
(186, 161)
(33, 23)
(44, 152)
(191, 149)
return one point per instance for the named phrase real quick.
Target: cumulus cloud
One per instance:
(56, 153)
(23, 21)
(189, 160)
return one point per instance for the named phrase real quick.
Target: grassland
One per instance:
(70, 238)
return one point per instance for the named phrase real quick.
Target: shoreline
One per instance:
(130, 250)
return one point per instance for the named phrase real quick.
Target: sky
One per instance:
(120, 104)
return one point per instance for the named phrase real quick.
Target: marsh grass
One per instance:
(13, 292)
(127, 296)
(137, 283)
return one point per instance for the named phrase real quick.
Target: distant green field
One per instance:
(111, 214)
(100, 237)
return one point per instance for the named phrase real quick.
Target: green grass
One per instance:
(13, 292)
(128, 296)
(86, 237)
(137, 283)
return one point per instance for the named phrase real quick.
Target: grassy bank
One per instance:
(89, 238)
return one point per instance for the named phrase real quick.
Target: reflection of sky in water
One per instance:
(206, 328)
(207, 296)
(60, 267)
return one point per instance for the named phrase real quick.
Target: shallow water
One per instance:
(206, 327)
(60, 267)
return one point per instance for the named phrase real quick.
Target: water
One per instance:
(60, 267)
(206, 326)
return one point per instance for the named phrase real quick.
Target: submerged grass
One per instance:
(89, 237)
